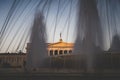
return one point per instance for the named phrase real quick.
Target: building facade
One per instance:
(56, 49)
(60, 48)
(12, 60)
(19, 59)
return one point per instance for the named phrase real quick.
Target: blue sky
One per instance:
(21, 19)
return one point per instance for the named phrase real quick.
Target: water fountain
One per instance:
(38, 47)
(89, 33)
(115, 44)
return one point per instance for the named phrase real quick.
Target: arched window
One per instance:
(65, 51)
(51, 52)
(56, 52)
(70, 51)
(60, 52)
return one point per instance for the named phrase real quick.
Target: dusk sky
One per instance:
(17, 16)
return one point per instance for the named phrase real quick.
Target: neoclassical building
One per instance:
(56, 49)
(60, 48)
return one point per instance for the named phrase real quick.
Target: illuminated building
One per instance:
(57, 49)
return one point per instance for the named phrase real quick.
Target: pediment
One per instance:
(61, 44)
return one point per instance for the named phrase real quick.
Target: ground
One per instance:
(9, 74)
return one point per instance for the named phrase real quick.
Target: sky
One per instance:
(16, 19)
(18, 15)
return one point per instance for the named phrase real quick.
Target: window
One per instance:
(51, 52)
(56, 52)
(60, 52)
(65, 51)
(70, 51)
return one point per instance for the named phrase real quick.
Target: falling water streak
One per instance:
(13, 38)
(69, 20)
(7, 17)
(107, 15)
(16, 43)
(21, 40)
(44, 6)
(48, 10)
(59, 19)
(26, 16)
(13, 7)
(7, 49)
(56, 21)
(64, 7)
(10, 29)
(25, 41)
(114, 15)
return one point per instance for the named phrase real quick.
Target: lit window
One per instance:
(70, 51)
(65, 52)
(51, 52)
(60, 52)
(56, 52)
